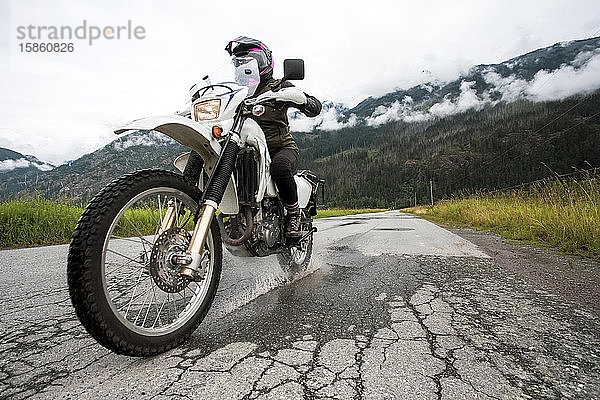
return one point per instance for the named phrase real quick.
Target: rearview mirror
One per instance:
(293, 69)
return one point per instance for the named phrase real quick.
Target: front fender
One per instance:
(187, 132)
(197, 137)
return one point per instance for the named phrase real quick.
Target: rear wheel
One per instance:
(123, 280)
(295, 259)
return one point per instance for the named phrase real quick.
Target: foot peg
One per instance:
(307, 234)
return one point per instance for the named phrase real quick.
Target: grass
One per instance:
(561, 214)
(35, 222)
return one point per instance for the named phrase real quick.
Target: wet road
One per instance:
(394, 307)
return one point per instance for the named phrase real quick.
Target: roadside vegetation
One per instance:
(561, 214)
(35, 222)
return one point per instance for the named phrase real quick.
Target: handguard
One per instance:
(289, 94)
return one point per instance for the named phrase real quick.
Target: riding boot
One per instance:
(292, 223)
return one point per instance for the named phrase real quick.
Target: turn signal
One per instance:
(217, 130)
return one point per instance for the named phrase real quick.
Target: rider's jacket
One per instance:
(274, 122)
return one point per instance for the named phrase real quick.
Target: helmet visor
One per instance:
(258, 55)
(246, 72)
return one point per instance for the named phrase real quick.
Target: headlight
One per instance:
(207, 110)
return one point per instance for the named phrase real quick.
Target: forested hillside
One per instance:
(495, 147)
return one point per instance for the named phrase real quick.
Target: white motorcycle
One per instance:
(145, 259)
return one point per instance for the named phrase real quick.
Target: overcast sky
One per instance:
(60, 106)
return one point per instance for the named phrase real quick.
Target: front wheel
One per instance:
(125, 288)
(295, 258)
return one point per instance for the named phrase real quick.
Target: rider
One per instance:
(275, 125)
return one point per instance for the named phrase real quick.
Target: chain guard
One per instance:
(164, 273)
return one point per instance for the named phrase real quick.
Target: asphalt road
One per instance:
(393, 307)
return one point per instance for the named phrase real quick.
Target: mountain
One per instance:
(496, 125)
(16, 169)
(523, 77)
(82, 178)
(11, 160)
(491, 148)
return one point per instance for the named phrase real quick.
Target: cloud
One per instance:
(142, 139)
(467, 99)
(403, 111)
(510, 87)
(328, 120)
(581, 76)
(9, 165)
(398, 111)
(567, 80)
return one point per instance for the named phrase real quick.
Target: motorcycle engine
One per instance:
(270, 230)
(267, 231)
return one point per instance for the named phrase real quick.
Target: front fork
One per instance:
(196, 246)
(170, 216)
(195, 253)
(211, 197)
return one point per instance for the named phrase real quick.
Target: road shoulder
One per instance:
(572, 277)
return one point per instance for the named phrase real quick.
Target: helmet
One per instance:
(247, 47)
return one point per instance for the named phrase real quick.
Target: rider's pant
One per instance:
(284, 163)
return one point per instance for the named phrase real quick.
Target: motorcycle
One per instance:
(146, 255)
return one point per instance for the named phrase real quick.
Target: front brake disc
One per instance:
(164, 272)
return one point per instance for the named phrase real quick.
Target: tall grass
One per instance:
(561, 214)
(31, 222)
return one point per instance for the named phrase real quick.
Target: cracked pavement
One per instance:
(394, 308)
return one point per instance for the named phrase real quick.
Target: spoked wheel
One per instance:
(296, 257)
(122, 272)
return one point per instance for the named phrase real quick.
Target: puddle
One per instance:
(394, 229)
(352, 223)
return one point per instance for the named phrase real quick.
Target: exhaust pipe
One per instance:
(247, 232)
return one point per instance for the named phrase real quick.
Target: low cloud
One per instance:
(467, 100)
(583, 76)
(510, 87)
(398, 111)
(9, 165)
(580, 76)
(403, 111)
(142, 139)
(328, 120)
